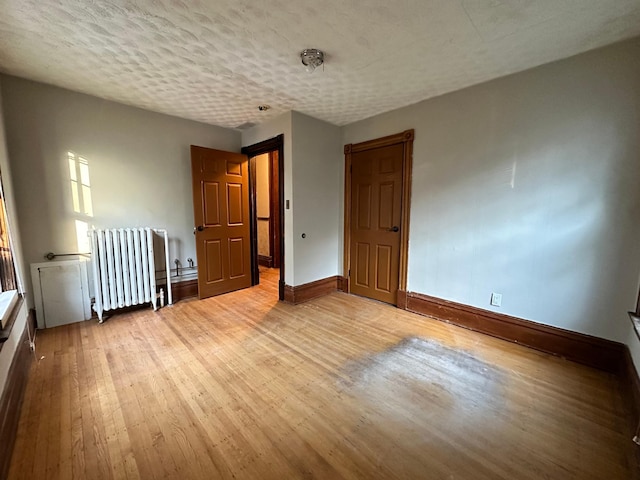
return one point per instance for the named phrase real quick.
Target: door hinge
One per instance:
(349, 274)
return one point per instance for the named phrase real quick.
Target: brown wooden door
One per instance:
(221, 213)
(376, 208)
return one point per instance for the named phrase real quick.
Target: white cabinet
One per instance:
(61, 292)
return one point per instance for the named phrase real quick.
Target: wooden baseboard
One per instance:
(182, 290)
(401, 299)
(343, 284)
(302, 293)
(265, 261)
(12, 396)
(592, 351)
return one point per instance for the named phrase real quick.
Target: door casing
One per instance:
(273, 144)
(406, 139)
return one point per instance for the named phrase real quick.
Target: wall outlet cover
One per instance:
(496, 299)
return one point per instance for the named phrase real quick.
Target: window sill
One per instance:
(7, 301)
(12, 308)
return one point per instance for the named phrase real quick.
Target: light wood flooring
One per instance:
(241, 386)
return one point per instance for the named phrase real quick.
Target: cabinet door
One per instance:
(61, 294)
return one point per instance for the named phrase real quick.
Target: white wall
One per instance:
(318, 197)
(139, 165)
(8, 349)
(280, 125)
(528, 186)
(313, 164)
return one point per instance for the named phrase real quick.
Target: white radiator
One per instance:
(124, 272)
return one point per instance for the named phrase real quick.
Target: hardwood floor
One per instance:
(241, 386)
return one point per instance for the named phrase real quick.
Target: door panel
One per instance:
(211, 194)
(235, 204)
(376, 188)
(364, 206)
(221, 214)
(213, 261)
(362, 265)
(236, 256)
(383, 267)
(234, 169)
(385, 206)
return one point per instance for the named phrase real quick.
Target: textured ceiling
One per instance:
(216, 61)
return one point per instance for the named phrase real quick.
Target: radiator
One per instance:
(124, 272)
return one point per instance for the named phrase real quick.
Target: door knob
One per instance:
(394, 229)
(200, 228)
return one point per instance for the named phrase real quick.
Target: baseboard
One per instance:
(12, 396)
(182, 290)
(343, 284)
(303, 293)
(265, 261)
(592, 351)
(401, 299)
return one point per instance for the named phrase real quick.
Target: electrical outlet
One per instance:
(496, 299)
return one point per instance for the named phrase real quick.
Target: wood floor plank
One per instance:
(242, 386)
(77, 438)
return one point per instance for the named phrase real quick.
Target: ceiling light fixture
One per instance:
(312, 58)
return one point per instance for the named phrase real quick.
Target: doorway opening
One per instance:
(266, 211)
(377, 200)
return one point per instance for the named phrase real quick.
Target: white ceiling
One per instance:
(215, 61)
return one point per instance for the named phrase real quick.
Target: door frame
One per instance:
(406, 139)
(272, 144)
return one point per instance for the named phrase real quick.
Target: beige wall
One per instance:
(280, 125)
(317, 198)
(138, 160)
(312, 182)
(528, 186)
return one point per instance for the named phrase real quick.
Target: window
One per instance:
(7, 268)
(8, 277)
